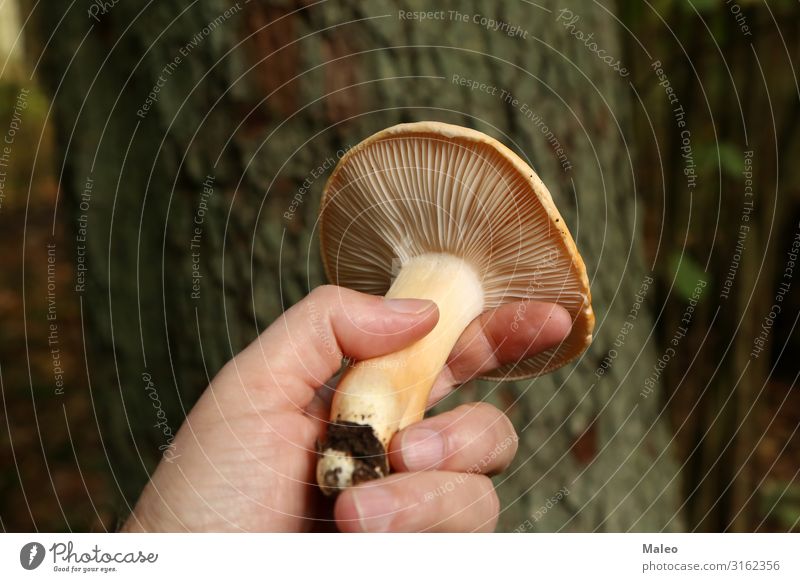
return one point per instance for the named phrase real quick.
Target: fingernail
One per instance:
(375, 508)
(422, 449)
(412, 306)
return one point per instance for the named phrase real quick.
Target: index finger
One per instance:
(304, 347)
(508, 334)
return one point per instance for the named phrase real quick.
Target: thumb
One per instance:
(303, 348)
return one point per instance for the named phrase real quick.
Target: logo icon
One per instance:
(31, 555)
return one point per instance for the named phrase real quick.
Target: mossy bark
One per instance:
(255, 103)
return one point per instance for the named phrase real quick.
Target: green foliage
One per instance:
(686, 273)
(700, 5)
(726, 155)
(33, 113)
(781, 501)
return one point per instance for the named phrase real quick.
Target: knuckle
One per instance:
(324, 293)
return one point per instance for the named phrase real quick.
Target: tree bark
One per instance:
(207, 180)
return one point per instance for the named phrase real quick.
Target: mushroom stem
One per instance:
(375, 398)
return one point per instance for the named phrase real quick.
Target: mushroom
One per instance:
(435, 211)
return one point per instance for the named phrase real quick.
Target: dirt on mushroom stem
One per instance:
(361, 445)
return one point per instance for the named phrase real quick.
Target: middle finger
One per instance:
(472, 438)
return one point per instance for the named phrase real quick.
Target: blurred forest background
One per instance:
(683, 193)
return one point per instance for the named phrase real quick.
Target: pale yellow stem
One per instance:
(390, 392)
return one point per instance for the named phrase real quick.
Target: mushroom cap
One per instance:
(431, 187)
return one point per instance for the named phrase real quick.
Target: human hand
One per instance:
(245, 456)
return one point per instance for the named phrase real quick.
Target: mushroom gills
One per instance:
(375, 398)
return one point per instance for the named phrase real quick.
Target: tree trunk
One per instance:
(730, 403)
(216, 174)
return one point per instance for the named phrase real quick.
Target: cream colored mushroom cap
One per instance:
(431, 187)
